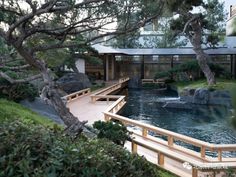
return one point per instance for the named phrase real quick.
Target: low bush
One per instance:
(114, 131)
(17, 92)
(32, 150)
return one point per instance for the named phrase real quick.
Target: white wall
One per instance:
(80, 64)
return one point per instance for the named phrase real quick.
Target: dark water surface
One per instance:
(210, 124)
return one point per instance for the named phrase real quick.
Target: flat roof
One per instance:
(161, 51)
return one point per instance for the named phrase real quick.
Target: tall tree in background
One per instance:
(35, 28)
(204, 26)
(164, 37)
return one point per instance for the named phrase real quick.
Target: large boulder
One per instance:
(220, 97)
(201, 96)
(72, 82)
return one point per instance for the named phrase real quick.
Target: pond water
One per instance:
(210, 124)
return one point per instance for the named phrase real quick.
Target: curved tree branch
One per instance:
(195, 17)
(16, 67)
(13, 81)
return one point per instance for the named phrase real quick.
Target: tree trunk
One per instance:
(202, 57)
(51, 96)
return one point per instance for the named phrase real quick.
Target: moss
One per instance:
(97, 86)
(221, 84)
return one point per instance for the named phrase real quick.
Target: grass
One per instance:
(35, 133)
(97, 86)
(221, 84)
(10, 111)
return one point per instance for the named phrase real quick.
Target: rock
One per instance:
(39, 106)
(201, 96)
(220, 97)
(73, 82)
(187, 95)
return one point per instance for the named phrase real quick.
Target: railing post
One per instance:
(161, 159)
(220, 154)
(170, 140)
(107, 100)
(106, 117)
(203, 151)
(144, 132)
(194, 172)
(134, 147)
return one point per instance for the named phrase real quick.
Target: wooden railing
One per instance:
(169, 148)
(104, 92)
(198, 160)
(125, 79)
(76, 95)
(154, 81)
(208, 163)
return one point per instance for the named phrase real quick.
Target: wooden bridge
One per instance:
(160, 145)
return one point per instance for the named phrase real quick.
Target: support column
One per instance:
(234, 67)
(107, 67)
(231, 65)
(172, 62)
(142, 67)
(172, 66)
(112, 67)
(104, 67)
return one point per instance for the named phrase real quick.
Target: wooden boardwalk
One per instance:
(84, 109)
(163, 152)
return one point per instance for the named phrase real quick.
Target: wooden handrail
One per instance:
(172, 136)
(104, 92)
(115, 105)
(121, 80)
(76, 95)
(205, 166)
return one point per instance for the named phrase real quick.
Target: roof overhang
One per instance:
(161, 51)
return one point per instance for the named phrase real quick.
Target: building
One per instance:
(145, 62)
(231, 23)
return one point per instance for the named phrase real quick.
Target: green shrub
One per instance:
(32, 150)
(192, 68)
(163, 74)
(151, 85)
(114, 131)
(17, 92)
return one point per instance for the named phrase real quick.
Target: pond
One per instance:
(210, 124)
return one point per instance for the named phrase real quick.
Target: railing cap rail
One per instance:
(176, 136)
(74, 93)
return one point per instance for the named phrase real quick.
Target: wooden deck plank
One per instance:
(84, 109)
